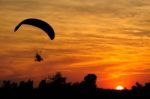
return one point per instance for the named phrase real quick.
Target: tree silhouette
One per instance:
(89, 81)
(57, 87)
(42, 85)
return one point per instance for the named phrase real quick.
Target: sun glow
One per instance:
(119, 87)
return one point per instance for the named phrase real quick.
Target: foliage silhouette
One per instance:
(57, 87)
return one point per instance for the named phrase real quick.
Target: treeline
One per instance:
(57, 87)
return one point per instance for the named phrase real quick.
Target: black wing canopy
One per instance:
(40, 24)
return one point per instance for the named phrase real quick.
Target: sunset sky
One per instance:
(110, 38)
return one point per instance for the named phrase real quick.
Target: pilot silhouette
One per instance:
(38, 57)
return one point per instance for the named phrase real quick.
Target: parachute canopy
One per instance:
(40, 24)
